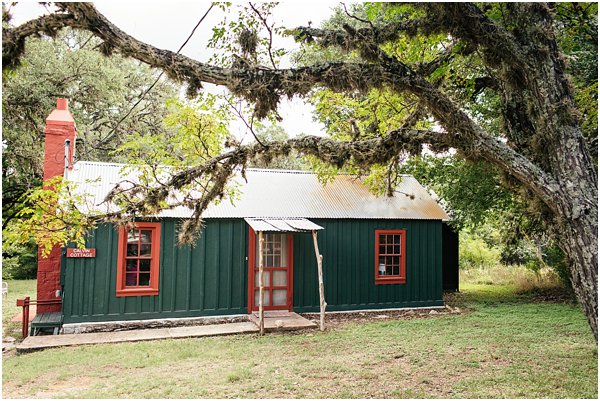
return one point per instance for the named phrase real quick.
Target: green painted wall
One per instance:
(211, 278)
(348, 249)
(208, 279)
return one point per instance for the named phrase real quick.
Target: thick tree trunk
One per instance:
(577, 212)
(543, 122)
(581, 246)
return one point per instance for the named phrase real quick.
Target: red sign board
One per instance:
(81, 252)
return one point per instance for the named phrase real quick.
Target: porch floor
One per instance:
(274, 321)
(37, 343)
(283, 320)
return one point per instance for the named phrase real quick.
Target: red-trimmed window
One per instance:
(138, 260)
(390, 256)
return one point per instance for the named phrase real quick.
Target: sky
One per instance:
(166, 25)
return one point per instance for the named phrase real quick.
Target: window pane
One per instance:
(132, 236)
(284, 254)
(274, 250)
(383, 239)
(396, 239)
(131, 279)
(388, 270)
(145, 265)
(396, 260)
(396, 249)
(131, 265)
(396, 270)
(279, 297)
(279, 278)
(381, 267)
(144, 279)
(146, 236)
(265, 298)
(266, 276)
(381, 248)
(145, 250)
(390, 249)
(132, 249)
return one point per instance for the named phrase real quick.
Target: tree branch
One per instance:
(13, 39)
(466, 21)
(218, 170)
(464, 133)
(264, 87)
(353, 38)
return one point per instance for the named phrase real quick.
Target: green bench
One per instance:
(46, 322)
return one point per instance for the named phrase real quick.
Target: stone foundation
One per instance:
(122, 325)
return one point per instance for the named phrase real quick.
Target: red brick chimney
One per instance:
(59, 148)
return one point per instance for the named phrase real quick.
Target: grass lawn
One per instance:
(16, 289)
(508, 346)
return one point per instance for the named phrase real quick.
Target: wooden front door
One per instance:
(278, 257)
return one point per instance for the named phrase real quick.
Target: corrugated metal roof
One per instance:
(279, 194)
(283, 225)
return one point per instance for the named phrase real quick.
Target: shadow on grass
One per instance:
(472, 295)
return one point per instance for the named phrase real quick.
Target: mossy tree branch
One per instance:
(265, 86)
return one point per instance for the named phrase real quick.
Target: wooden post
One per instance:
(322, 302)
(25, 322)
(261, 287)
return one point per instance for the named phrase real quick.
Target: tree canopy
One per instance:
(102, 91)
(490, 82)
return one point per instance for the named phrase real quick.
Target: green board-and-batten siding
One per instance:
(212, 277)
(348, 249)
(205, 280)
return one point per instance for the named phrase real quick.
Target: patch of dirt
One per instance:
(455, 299)
(18, 318)
(339, 319)
(59, 389)
(554, 295)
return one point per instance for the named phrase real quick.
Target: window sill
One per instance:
(390, 280)
(135, 292)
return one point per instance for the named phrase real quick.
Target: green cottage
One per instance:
(378, 252)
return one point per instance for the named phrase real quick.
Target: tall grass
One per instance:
(522, 278)
(480, 263)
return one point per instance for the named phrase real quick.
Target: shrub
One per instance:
(475, 253)
(555, 258)
(19, 263)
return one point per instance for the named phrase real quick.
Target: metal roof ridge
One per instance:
(252, 169)
(276, 170)
(97, 162)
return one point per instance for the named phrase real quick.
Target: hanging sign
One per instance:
(81, 252)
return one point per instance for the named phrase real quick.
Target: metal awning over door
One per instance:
(295, 225)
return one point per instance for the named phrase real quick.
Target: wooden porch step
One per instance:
(48, 320)
(277, 320)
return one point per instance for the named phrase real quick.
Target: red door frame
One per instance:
(290, 279)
